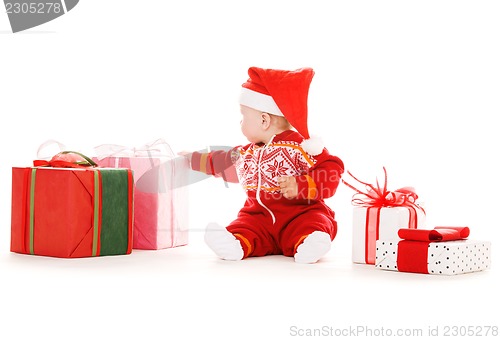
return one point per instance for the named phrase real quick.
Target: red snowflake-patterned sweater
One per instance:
(257, 167)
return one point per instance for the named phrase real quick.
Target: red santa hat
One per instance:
(282, 93)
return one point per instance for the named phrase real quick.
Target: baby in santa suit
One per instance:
(285, 173)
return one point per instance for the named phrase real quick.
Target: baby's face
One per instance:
(251, 124)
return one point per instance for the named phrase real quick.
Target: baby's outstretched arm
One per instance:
(218, 163)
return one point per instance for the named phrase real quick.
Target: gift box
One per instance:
(71, 212)
(160, 195)
(379, 214)
(370, 224)
(441, 251)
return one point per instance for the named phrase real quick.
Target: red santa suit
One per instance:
(269, 223)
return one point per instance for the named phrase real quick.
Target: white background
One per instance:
(409, 85)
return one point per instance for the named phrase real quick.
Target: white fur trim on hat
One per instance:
(259, 101)
(313, 146)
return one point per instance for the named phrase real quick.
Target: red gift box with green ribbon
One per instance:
(68, 207)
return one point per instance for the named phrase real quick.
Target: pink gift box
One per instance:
(160, 199)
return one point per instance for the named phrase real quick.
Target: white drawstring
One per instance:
(259, 181)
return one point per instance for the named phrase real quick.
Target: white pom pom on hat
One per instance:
(282, 93)
(313, 145)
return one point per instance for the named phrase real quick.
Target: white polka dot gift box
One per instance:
(440, 251)
(378, 214)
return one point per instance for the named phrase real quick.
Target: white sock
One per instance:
(317, 244)
(223, 243)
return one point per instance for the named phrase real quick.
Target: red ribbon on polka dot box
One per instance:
(440, 251)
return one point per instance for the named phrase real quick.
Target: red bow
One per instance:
(438, 234)
(377, 196)
(67, 159)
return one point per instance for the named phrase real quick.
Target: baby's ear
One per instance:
(265, 120)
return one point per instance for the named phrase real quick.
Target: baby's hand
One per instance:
(289, 187)
(186, 155)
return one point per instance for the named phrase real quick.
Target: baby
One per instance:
(285, 173)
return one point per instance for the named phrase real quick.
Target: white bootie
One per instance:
(223, 243)
(317, 244)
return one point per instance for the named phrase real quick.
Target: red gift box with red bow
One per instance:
(442, 251)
